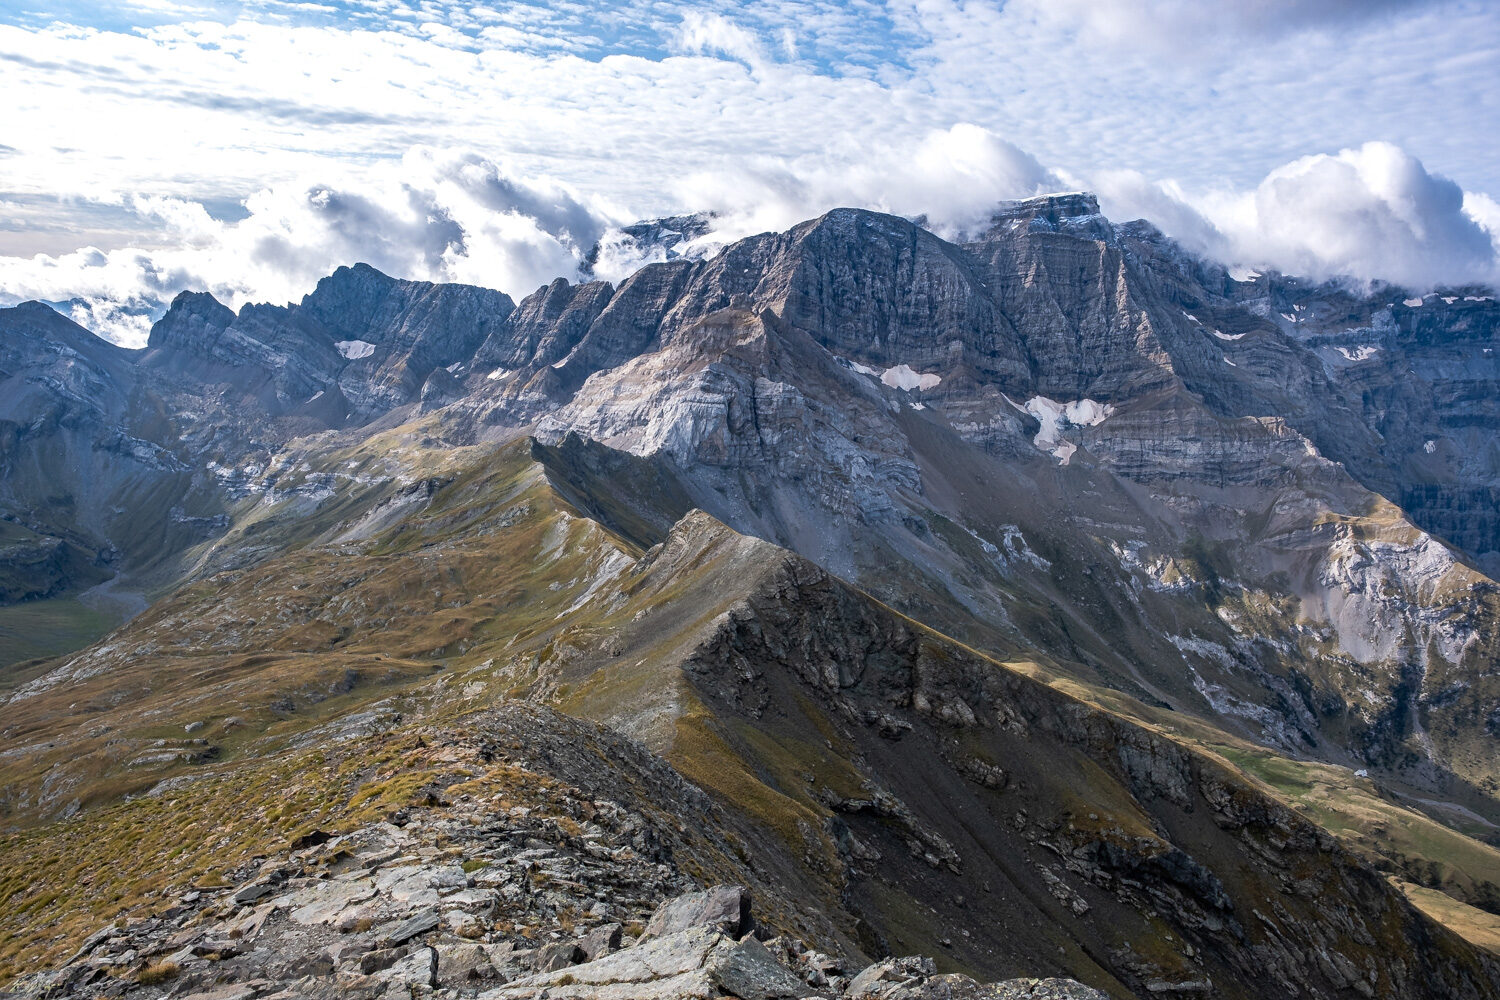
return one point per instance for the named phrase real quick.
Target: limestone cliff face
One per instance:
(91, 473)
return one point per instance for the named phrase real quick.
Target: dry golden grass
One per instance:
(1478, 927)
(158, 972)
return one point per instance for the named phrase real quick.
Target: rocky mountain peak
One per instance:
(191, 324)
(1052, 207)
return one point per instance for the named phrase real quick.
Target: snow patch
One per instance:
(1430, 447)
(903, 377)
(856, 367)
(353, 350)
(1230, 363)
(1226, 336)
(1013, 547)
(1411, 303)
(1358, 353)
(499, 373)
(1055, 417)
(315, 396)
(1244, 273)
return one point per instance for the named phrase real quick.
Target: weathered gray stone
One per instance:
(1045, 989)
(558, 955)
(725, 908)
(880, 977)
(232, 992)
(751, 972)
(461, 964)
(253, 891)
(600, 941)
(417, 969)
(380, 959)
(675, 958)
(409, 928)
(325, 902)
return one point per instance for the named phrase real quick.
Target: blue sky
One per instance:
(250, 147)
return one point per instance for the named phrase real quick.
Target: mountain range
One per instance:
(1053, 602)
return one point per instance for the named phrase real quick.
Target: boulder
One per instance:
(600, 941)
(883, 978)
(557, 955)
(724, 908)
(253, 892)
(461, 964)
(417, 969)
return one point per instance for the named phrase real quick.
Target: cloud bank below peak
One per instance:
(1367, 213)
(436, 216)
(1371, 213)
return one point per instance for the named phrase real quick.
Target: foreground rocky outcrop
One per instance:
(392, 911)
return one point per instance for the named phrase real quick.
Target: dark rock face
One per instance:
(89, 472)
(371, 339)
(547, 325)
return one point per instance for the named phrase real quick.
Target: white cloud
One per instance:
(1185, 27)
(705, 32)
(1372, 212)
(140, 139)
(954, 177)
(436, 216)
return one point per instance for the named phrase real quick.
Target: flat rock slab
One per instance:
(724, 908)
(223, 993)
(1044, 989)
(322, 904)
(697, 963)
(251, 893)
(423, 922)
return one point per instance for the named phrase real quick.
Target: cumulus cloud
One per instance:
(1372, 212)
(953, 177)
(437, 216)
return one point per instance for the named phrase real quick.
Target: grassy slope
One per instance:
(490, 586)
(37, 630)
